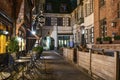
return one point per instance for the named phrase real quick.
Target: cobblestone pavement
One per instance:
(51, 66)
(59, 69)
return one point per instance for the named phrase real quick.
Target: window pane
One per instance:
(118, 10)
(63, 7)
(49, 7)
(60, 21)
(48, 21)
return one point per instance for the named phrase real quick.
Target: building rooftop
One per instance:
(60, 6)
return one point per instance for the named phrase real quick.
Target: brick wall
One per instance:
(96, 20)
(108, 11)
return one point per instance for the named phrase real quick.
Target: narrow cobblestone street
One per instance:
(59, 69)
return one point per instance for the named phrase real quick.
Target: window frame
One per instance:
(48, 21)
(102, 3)
(49, 7)
(118, 10)
(59, 21)
(103, 27)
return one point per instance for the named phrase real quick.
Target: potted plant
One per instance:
(99, 40)
(107, 40)
(116, 39)
(13, 48)
(13, 45)
(37, 51)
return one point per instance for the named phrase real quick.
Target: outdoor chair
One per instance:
(4, 69)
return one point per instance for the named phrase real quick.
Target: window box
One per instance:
(99, 40)
(107, 40)
(116, 39)
(116, 42)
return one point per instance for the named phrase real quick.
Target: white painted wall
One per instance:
(89, 20)
(54, 36)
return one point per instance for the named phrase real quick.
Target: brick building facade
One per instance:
(106, 18)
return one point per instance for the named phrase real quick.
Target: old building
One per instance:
(9, 10)
(83, 22)
(77, 21)
(15, 18)
(58, 22)
(106, 18)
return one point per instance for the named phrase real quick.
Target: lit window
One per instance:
(92, 35)
(103, 28)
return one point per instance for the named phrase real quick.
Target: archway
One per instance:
(48, 43)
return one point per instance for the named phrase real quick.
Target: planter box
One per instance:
(116, 42)
(99, 42)
(106, 42)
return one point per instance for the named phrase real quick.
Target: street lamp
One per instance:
(39, 20)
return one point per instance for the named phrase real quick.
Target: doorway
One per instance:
(48, 43)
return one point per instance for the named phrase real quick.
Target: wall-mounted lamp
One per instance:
(4, 32)
(19, 39)
(113, 24)
(33, 32)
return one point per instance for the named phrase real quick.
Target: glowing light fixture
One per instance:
(33, 32)
(19, 39)
(4, 32)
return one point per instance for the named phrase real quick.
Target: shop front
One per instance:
(63, 40)
(4, 37)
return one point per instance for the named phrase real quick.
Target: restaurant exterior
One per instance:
(5, 31)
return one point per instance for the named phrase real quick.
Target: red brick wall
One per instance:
(96, 20)
(108, 11)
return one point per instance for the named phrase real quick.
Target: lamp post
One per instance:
(41, 21)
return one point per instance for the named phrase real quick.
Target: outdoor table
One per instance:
(25, 57)
(23, 61)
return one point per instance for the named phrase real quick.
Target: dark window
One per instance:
(91, 6)
(63, 7)
(101, 2)
(69, 22)
(88, 9)
(60, 21)
(48, 21)
(49, 7)
(118, 10)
